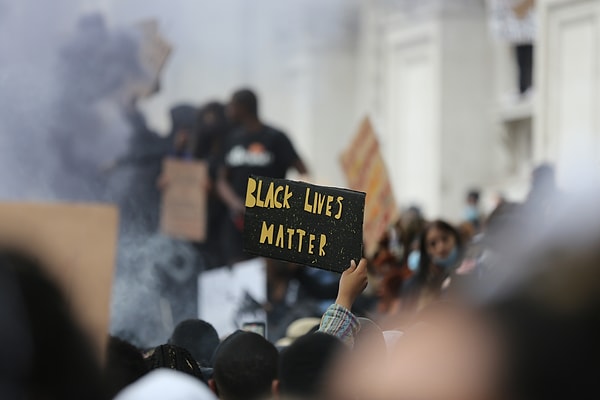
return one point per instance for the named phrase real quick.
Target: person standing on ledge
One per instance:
(252, 148)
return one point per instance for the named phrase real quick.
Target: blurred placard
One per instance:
(228, 297)
(183, 214)
(154, 52)
(78, 244)
(365, 170)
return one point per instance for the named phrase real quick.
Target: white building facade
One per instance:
(428, 72)
(436, 84)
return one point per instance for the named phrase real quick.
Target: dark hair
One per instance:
(198, 337)
(303, 366)
(549, 353)
(212, 129)
(245, 365)
(183, 116)
(174, 357)
(473, 194)
(543, 184)
(61, 364)
(543, 174)
(426, 261)
(215, 109)
(247, 99)
(124, 365)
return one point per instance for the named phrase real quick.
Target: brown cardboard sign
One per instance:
(77, 243)
(303, 223)
(365, 169)
(183, 213)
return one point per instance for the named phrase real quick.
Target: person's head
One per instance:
(504, 227)
(198, 337)
(543, 177)
(243, 106)
(212, 118)
(166, 384)
(183, 127)
(245, 367)
(43, 352)
(297, 329)
(304, 365)
(549, 320)
(174, 357)
(440, 245)
(124, 365)
(473, 197)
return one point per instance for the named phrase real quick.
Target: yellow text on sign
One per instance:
(291, 238)
(277, 196)
(318, 203)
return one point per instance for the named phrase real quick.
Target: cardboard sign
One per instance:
(302, 223)
(78, 245)
(154, 52)
(228, 297)
(365, 170)
(183, 213)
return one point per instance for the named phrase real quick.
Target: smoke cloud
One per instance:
(67, 84)
(67, 81)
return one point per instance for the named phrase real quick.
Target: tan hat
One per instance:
(299, 327)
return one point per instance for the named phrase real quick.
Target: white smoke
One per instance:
(62, 79)
(66, 88)
(65, 82)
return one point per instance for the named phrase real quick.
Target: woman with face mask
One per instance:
(440, 251)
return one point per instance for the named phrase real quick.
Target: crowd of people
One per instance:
(520, 324)
(503, 306)
(234, 142)
(498, 306)
(506, 309)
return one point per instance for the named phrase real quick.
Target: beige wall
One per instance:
(568, 128)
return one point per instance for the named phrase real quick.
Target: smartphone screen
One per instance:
(256, 327)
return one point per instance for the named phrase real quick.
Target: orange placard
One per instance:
(365, 170)
(183, 213)
(78, 244)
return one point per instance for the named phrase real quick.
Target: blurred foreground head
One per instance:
(198, 337)
(43, 352)
(124, 365)
(245, 367)
(529, 330)
(548, 311)
(166, 384)
(175, 358)
(305, 365)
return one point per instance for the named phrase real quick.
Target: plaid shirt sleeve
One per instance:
(338, 321)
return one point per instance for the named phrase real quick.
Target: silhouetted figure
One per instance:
(253, 148)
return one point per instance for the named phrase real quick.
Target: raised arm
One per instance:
(338, 320)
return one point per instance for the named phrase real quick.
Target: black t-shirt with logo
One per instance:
(268, 153)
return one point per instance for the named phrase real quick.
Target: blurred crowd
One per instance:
(502, 307)
(499, 305)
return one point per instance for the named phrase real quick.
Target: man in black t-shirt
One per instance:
(252, 148)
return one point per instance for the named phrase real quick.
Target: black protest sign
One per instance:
(304, 224)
